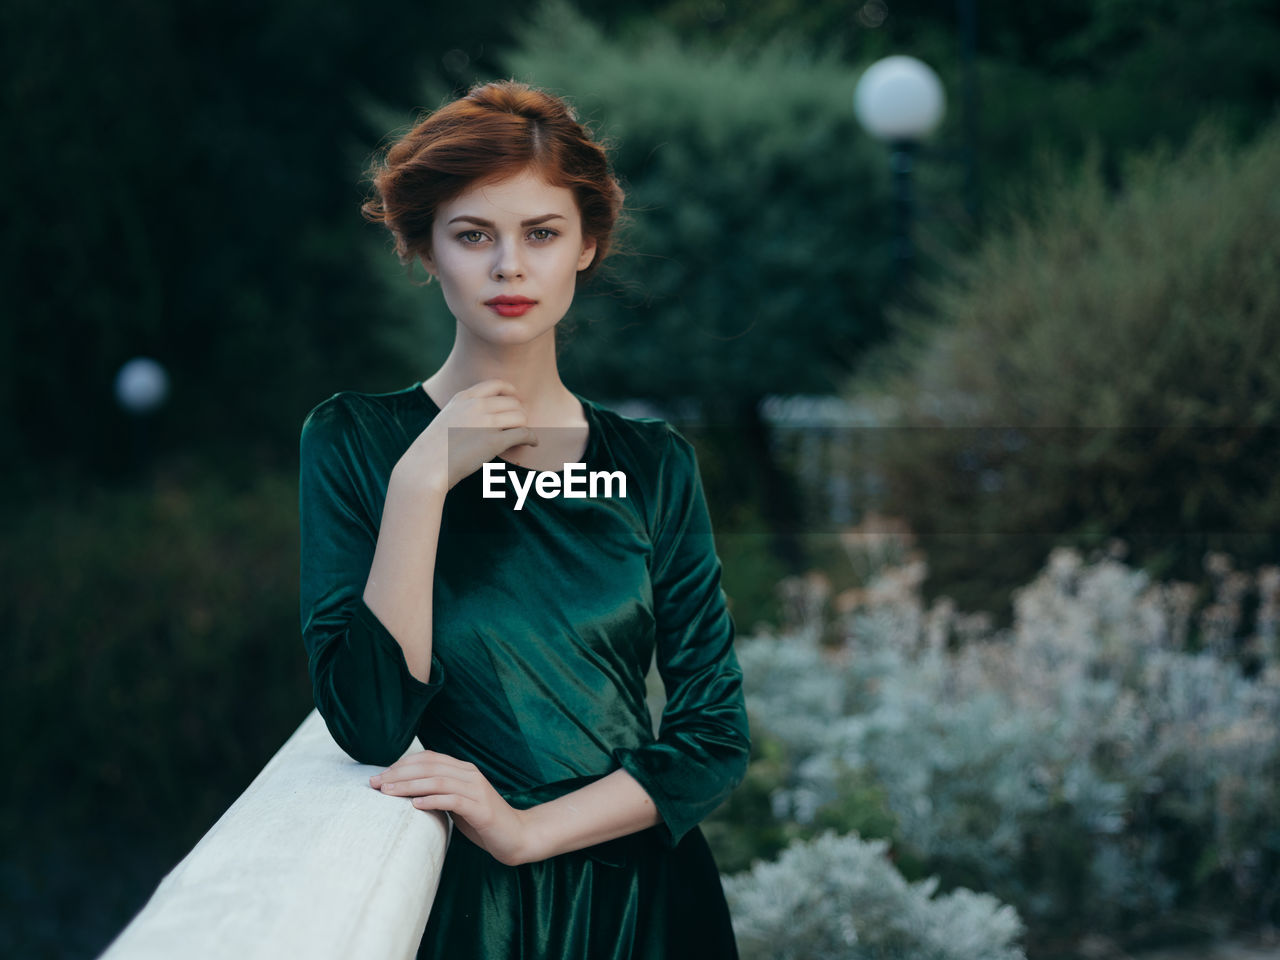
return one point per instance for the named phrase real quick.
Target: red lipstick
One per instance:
(510, 306)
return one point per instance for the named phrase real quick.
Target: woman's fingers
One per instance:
(478, 810)
(429, 785)
(464, 806)
(424, 763)
(410, 774)
(507, 419)
(520, 436)
(502, 404)
(459, 794)
(487, 388)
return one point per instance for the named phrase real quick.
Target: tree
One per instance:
(1103, 366)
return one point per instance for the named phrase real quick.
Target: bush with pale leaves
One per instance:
(1082, 765)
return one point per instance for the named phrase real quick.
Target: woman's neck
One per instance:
(530, 368)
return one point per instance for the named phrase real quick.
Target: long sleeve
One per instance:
(361, 683)
(703, 741)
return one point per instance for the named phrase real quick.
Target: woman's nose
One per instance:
(509, 262)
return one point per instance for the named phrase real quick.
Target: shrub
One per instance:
(153, 666)
(1083, 765)
(1107, 365)
(840, 898)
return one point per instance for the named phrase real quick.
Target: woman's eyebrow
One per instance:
(533, 221)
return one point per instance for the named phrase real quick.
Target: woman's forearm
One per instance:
(399, 587)
(605, 809)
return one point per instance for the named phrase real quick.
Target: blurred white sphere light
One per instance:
(899, 98)
(142, 385)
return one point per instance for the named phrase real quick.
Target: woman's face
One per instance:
(507, 255)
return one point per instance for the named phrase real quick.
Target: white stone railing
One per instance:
(310, 862)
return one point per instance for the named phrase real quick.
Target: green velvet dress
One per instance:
(545, 622)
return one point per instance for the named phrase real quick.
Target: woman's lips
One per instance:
(510, 306)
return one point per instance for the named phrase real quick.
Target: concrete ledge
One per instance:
(309, 861)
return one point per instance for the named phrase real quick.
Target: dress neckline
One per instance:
(588, 413)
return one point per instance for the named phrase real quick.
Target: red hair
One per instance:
(495, 131)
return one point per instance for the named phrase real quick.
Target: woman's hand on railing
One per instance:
(437, 781)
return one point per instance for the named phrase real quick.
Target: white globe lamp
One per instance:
(899, 101)
(142, 386)
(899, 98)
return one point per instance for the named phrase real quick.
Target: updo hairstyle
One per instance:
(495, 131)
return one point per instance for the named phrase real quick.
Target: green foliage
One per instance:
(750, 569)
(152, 668)
(1116, 77)
(190, 191)
(1107, 366)
(746, 829)
(861, 807)
(1050, 76)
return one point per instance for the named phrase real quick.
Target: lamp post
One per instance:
(899, 100)
(141, 387)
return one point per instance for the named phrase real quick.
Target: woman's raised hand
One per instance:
(437, 781)
(490, 418)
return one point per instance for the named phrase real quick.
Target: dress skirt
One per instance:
(633, 898)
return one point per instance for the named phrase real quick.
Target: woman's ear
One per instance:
(428, 263)
(588, 253)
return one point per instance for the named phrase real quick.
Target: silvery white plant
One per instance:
(840, 898)
(1080, 719)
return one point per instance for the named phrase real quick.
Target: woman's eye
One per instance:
(471, 236)
(542, 233)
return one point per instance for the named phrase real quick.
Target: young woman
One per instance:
(512, 634)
